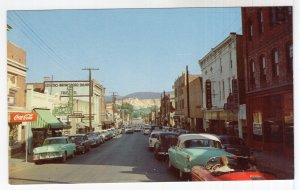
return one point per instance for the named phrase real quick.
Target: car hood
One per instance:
(251, 175)
(49, 148)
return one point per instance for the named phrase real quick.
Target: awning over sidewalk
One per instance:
(46, 120)
(86, 124)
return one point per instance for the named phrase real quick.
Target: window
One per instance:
(278, 15)
(275, 63)
(250, 30)
(251, 74)
(289, 56)
(263, 69)
(223, 88)
(261, 21)
(230, 60)
(220, 95)
(229, 86)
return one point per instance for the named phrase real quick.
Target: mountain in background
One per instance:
(144, 95)
(137, 95)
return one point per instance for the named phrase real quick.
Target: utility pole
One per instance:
(188, 92)
(90, 95)
(114, 94)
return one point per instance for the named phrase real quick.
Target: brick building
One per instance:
(16, 78)
(268, 59)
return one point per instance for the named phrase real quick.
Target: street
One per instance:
(125, 158)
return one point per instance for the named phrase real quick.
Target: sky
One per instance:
(135, 50)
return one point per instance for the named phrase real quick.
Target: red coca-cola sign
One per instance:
(23, 117)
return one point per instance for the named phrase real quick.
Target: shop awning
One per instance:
(86, 124)
(46, 120)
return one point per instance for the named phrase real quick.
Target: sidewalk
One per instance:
(277, 164)
(18, 161)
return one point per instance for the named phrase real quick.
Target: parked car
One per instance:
(164, 141)
(147, 130)
(234, 145)
(83, 144)
(100, 136)
(54, 148)
(194, 149)
(153, 138)
(95, 139)
(104, 135)
(241, 168)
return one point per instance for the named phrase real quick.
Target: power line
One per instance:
(39, 42)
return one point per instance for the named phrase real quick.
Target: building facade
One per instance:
(268, 43)
(196, 114)
(223, 88)
(187, 101)
(74, 107)
(16, 79)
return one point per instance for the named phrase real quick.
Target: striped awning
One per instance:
(46, 120)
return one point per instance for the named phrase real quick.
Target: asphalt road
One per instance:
(125, 158)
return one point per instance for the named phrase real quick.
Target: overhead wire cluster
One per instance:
(24, 27)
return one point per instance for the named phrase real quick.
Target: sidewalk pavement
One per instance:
(18, 161)
(277, 164)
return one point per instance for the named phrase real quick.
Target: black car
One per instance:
(234, 145)
(165, 141)
(83, 144)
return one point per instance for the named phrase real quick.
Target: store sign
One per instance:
(80, 88)
(257, 129)
(208, 94)
(23, 117)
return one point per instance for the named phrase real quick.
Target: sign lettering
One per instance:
(23, 117)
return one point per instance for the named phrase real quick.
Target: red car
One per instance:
(236, 168)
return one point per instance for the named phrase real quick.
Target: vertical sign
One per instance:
(235, 92)
(208, 94)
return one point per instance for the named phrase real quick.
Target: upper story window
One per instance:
(263, 69)
(261, 21)
(230, 59)
(250, 30)
(275, 63)
(251, 73)
(278, 15)
(289, 56)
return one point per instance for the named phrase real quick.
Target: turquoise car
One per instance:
(194, 149)
(54, 148)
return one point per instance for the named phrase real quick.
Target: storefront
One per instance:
(271, 122)
(47, 125)
(220, 122)
(18, 121)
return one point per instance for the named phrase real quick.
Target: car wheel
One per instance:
(64, 158)
(170, 164)
(73, 154)
(180, 174)
(83, 150)
(37, 162)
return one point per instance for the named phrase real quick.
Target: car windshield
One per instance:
(201, 143)
(54, 141)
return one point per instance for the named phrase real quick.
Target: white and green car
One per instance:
(194, 149)
(54, 148)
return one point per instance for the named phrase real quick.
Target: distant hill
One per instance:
(137, 95)
(144, 95)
